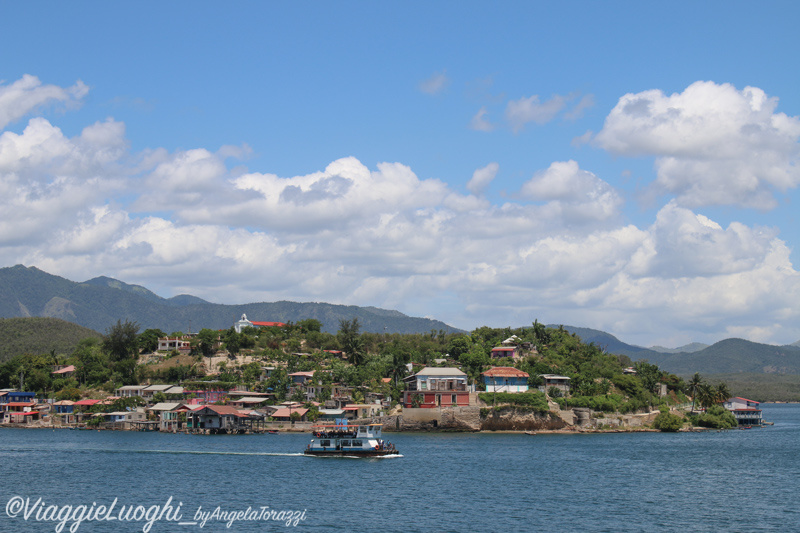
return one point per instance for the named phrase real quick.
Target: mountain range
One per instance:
(99, 302)
(724, 357)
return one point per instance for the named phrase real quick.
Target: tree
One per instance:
(310, 324)
(148, 340)
(694, 383)
(121, 341)
(350, 340)
(205, 341)
(722, 393)
(706, 395)
(233, 341)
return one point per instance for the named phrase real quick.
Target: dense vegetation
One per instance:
(359, 360)
(40, 335)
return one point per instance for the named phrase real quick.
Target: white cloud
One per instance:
(183, 222)
(482, 177)
(435, 84)
(713, 143)
(578, 194)
(530, 109)
(28, 93)
(479, 121)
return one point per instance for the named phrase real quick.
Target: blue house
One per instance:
(505, 379)
(17, 396)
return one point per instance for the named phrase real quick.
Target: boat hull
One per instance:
(350, 453)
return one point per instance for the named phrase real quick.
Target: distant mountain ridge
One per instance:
(99, 302)
(723, 357)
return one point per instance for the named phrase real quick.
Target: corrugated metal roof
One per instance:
(506, 372)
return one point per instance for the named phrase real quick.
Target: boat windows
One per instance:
(357, 443)
(325, 443)
(345, 443)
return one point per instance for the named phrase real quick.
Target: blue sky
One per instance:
(626, 167)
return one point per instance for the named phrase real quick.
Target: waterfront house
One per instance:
(361, 410)
(12, 395)
(436, 387)
(284, 414)
(20, 412)
(505, 379)
(171, 416)
(747, 412)
(217, 418)
(554, 380)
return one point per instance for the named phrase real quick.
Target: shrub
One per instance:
(666, 421)
(717, 417)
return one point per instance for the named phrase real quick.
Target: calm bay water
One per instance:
(715, 481)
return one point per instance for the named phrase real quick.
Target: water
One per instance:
(716, 481)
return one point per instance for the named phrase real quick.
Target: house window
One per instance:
(423, 385)
(454, 399)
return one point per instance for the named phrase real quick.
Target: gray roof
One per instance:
(165, 406)
(435, 371)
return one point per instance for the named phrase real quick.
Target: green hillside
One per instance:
(98, 304)
(39, 336)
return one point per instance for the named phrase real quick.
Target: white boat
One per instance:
(343, 439)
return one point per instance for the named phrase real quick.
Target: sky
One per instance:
(631, 167)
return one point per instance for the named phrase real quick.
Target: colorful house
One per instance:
(498, 352)
(436, 387)
(505, 379)
(747, 412)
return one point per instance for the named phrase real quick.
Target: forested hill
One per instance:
(98, 304)
(40, 335)
(724, 357)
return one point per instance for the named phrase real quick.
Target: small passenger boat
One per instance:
(349, 440)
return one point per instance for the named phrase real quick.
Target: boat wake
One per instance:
(198, 452)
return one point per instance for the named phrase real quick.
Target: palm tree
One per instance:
(706, 395)
(694, 383)
(722, 393)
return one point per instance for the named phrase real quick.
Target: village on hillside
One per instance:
(261, 376)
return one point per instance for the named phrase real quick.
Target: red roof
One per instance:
(21, 404)
(65, 370)
(269, 324)
(503, 349)
(225, 410)
(505, 372)
(744, 399)
(86, 402)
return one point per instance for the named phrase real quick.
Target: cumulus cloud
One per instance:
(184, 222)
(714, 144)
(435, 84)
(578, 194)
(27, 94)
(482, 177)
